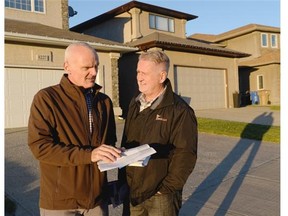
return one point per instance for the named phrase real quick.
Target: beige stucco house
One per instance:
(35, 40)
(259, 72)
(205, 75)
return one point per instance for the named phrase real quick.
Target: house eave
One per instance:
(190, 49)
(36, 39)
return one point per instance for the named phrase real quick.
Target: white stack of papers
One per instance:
(138, 156)
(141, 163)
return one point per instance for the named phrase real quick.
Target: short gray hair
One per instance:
(157, 56)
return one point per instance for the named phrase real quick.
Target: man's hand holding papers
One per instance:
(138, 156)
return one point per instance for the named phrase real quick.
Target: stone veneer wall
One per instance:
(115, 81)
(65, 15)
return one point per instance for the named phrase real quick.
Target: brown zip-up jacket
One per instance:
(169, 126)
(59, 137)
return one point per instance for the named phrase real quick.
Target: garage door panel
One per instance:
(205, 87)
(20, 87)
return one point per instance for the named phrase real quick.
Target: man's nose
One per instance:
(139, 77)
(94, 71)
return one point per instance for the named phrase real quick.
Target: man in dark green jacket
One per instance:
(160, 118)
(71, 127)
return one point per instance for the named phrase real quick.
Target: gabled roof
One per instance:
(235, 33)
(265, 59)
(203, 37)
(165, 41)
(37, 33)
(126, 7)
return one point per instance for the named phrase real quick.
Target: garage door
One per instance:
(20, 87)
(202, 88)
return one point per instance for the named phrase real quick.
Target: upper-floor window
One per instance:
(273, 40)
(27, 5)
(264, 40)
(161, 23)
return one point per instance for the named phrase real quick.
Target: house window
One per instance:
(264, 40)
(27, 5)
(274, 41)
(161, 23)
(260, 82)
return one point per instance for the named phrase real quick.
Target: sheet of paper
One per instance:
(129, 156)
(141, 163)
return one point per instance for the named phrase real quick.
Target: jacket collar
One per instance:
(73, 89)
(164, 100)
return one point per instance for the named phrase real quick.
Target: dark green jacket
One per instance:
(59, 137)
(171, 128)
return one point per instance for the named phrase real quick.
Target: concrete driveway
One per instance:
(232, 176)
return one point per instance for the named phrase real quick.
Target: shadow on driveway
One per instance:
(21, 174)
(209, 185)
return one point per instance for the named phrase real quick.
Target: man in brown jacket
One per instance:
(71, 127)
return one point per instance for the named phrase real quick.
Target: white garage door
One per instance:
(202, 88)
(20, 87)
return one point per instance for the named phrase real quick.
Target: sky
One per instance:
(214, 16)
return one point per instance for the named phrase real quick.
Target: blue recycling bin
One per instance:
(254, 97)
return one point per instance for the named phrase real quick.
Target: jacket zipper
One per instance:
(89, 136)
(91, 165)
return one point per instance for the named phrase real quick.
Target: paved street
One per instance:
(232, 177)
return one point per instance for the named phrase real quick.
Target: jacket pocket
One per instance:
(146, 180)
(58, 179)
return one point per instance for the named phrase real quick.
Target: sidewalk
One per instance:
(232, 176)
(249, 114)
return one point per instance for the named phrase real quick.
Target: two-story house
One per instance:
(203, 74)
(36, 35)
(259, 72)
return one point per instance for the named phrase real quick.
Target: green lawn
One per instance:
(240, 129)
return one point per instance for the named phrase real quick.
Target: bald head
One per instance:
(72, 48)
(81, 63)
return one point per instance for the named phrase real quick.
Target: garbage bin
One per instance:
(236, 100)
(254, 97)
(264, 97)
(245, 99)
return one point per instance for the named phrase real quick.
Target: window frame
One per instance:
(266, 36)
(276, 41)
(153, 24)
(30, 3)
(260, 82)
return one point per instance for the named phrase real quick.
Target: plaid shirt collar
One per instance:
(145, 104)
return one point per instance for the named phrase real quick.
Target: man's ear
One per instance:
(163, 76)
(66, 66)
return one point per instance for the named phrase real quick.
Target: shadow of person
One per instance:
(209, 185)
(21, 175)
